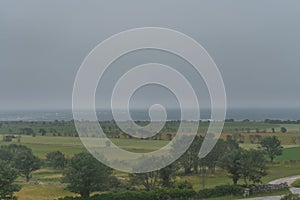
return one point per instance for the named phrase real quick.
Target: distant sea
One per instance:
(142, 115)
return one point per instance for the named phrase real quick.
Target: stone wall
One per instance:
(268, 187)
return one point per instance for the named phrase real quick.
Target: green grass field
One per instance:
(289, 154)
(42, 192)
(41, 145)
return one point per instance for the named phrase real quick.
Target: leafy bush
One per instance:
(157, 194)
(166, 194)
(183, 185)
(221, 190)
(182, 193)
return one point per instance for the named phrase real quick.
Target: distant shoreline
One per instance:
(238, 114)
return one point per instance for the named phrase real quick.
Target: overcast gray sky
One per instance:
(255, 44)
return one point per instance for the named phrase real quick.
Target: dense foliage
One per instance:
(84, 174)
(56, 159)
(8, 174)
(249, 165)
(21, 158)
(167, 194)
(272, 147)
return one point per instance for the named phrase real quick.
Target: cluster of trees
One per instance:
(33, 128)
(84, 174)
(250, 165)
(8, 174)
(19, 160)
(278, 121)
(42, 132)
(56, 159)
(269, 121)
(272, 147)
(67, 128)
(15, 160)
(258, 130)
(191, 163)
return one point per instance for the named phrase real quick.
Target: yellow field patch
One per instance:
(42, 192)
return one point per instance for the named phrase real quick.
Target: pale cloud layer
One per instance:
(256, 45)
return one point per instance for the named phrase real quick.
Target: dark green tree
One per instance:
(8, 174)
(210, 161)
(152, 179)
(21, 157)
(84, 174)
(247, 164)
(283, 130)
(190, 160)
(167, 174)
(252, 166)
(42, 131)
(114, 183)
(149, 180)
(271, 146)
(6, 154)
(26, 162)
(273, 130)
(231, 163)
(56, 159)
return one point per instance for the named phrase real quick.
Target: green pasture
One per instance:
(41, 145)
(289, 154)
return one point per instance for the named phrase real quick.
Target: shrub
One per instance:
(185, 193)
(156, 194)
(166, 194)
(183, 185)
(221, 190)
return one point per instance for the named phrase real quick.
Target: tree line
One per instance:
(84, 174)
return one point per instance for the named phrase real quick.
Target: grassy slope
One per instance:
(42, 192)
(41, 145)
